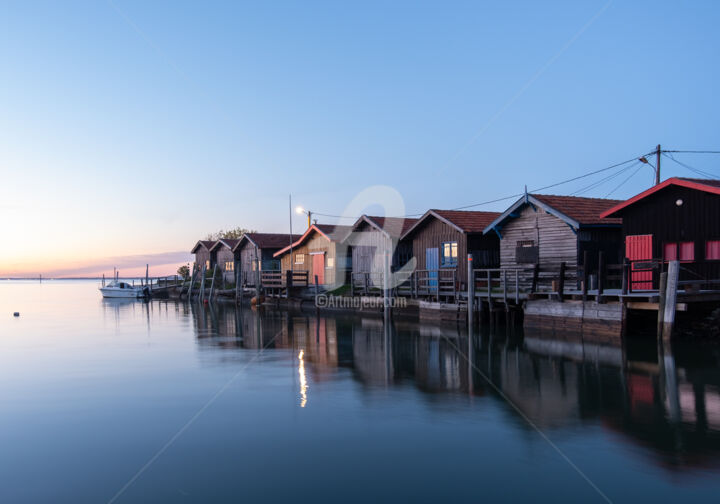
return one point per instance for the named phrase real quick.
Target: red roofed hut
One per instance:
(678, 219)
(254, 252)
(442, 240)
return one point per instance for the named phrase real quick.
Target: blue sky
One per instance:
(133, 128)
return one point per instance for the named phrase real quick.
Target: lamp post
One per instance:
(301, 210)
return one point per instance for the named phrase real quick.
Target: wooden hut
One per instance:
(202, 253)
(254, 252)
(222, 255)
(678, 219)
(547, 230)
(442, 239)
(371, 236)
(321, 252)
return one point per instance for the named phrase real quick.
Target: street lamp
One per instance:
(301, 210)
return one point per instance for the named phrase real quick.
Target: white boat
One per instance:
(120, 289)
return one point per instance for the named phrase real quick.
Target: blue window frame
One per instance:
(449, 255)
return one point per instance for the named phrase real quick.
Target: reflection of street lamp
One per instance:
(301, 210)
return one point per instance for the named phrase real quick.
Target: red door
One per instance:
(318, 268)
(639, 248)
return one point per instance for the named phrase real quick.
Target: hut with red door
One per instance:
(678, 219)
(320, 252)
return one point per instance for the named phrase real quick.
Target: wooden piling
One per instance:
(561, 283)
(601, 277)
(202, 282)
(586, 277)
(470, 291)
(673, 276)
(662, 290)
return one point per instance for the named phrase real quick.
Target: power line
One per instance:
(624, 181)
(573, 179)
(694, 170)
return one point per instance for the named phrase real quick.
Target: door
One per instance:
(318, 262)
(432, 262)
(639, 248)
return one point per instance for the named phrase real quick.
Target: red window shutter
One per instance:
(670, 252)
(712, 250)
(687, 251)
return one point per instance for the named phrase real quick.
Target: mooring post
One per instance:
(625, 278)
(489, 288)
(586, 277)
(212, 283)
(415, 284)
(662, 290)
(673, 276)
(517, 288)
(202, 282)
(147, 275)
(561, 283)
(601, 277)
(103, 284)
(535, 277)
(504, 272)
(470, 291)
(236, 268)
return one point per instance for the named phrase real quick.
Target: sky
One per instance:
(131, 129)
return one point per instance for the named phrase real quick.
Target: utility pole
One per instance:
(657, 166)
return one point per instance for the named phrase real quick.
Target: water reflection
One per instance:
(663, 400)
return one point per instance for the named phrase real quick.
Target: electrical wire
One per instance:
(582, 190)
(694, 170)
(624, 181)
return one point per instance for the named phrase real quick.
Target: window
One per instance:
(449, 258)
(526, 252)
(207, 264)
(229, 266)
(683, 251)
(330, 262)
(299, 258)
(712, 250)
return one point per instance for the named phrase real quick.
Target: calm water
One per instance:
(169, 402)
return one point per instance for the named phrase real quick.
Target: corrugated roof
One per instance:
(586, 211)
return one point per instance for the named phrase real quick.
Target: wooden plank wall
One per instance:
(556, 241)
(431, 235)
(316, 243)
(224, 255)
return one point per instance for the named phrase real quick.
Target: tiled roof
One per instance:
(585, 211)
(468, 221)
(394, 226)
(272, 240)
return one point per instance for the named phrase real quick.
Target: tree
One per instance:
(184, 271)
(235, 233)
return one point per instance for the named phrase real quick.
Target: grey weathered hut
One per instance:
(202, 253)
(371, 236)
(222, 255)
(254, 252)
(546, 230)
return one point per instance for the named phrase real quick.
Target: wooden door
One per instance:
(432, 262)
(318, 262)
(639, 248)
